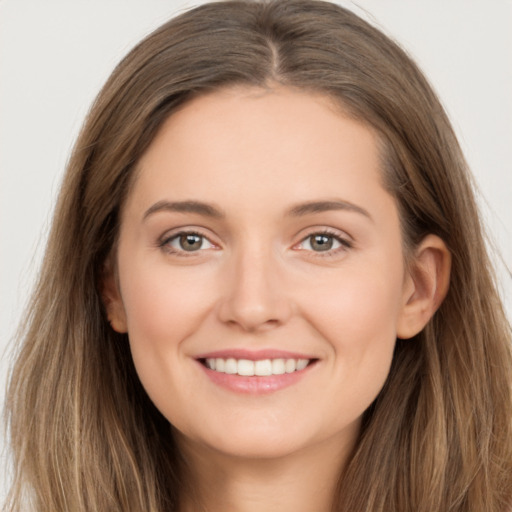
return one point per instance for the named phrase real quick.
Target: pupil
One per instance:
(321, 242)
(190, 242)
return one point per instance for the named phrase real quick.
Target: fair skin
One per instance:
(258, 228)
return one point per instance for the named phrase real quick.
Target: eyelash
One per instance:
(165, 242)
(344, 243)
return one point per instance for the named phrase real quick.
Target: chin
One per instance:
(250, 440)
(262, 448)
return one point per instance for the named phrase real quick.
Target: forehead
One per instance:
(250, 140)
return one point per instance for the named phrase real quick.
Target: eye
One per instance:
(187, 242)
(323, 242)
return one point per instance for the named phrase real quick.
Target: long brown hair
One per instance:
(85, 436)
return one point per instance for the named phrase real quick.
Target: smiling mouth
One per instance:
(257, 368)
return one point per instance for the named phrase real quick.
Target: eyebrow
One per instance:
(198, 207)
(325, 206)
(209, 210)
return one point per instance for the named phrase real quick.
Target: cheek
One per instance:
(164, 304)
(163, 308)
(367, 309)
(358, 302)
(357, 315)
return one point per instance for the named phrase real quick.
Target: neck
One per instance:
(300, 482)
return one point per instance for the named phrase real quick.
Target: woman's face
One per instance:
(258, 239)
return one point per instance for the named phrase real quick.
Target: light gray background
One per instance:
(55, 55)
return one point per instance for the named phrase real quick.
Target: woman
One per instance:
(266, 286)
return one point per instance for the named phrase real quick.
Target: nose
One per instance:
(255, 297)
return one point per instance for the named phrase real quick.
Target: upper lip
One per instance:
(254, 355)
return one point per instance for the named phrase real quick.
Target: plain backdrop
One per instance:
(55, 55)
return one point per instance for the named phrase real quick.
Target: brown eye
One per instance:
(188, 242)
(321, 242)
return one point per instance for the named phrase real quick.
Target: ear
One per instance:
(112, 300)
(425, 287)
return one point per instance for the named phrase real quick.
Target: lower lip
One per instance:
(256, 385)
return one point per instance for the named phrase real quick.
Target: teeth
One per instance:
(290, 365)
(245, 367)
(231, 366)
(302, 363)
(262, 367)
(278, 366)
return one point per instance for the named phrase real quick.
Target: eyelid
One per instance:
(345, 240)
(164, 240)
(177, 238)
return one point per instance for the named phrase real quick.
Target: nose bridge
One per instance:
(254, 295)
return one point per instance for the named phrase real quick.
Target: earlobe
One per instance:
(113, 302)
(426, 286)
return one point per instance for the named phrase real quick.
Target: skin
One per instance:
(256, 282)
